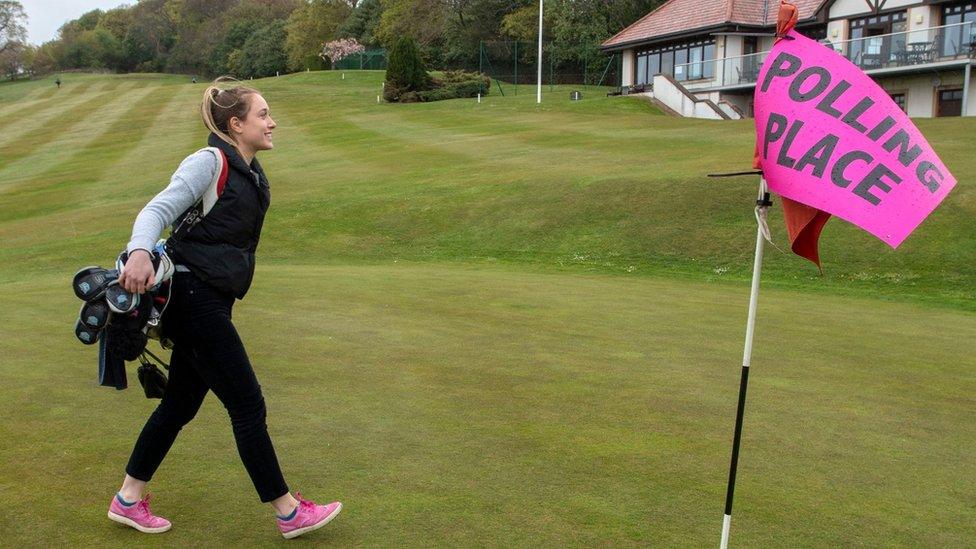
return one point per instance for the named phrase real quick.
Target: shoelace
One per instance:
(305, 503)
(144, 505)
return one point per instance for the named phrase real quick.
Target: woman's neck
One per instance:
(247, 153)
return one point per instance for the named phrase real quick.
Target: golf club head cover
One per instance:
(119, 299)
(85, 334)
(95, 314)
(90, 283)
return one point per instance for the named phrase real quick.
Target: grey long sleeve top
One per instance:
(185, 188)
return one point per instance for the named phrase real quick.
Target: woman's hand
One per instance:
(138, 274)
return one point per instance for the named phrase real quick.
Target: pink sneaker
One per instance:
(307, 517)
(137, 516)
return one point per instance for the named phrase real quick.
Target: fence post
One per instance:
(516, 67)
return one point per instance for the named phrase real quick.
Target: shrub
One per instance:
(405, 70)
(411, 97)
(457, 85)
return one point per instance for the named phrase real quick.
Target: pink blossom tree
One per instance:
(337, 50)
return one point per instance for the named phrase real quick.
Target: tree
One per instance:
(13, 59)
(110, 52)
(230, 46)
(578, 29)
(421, 19)
(117, 22)
(150, 36)
(265, 11)
(363, 22)
(48, 57)
(469, 22)
(406, 71)
(13, 32)
(198, 26)
(309, 26)
(523, 24)
(263, 53)
(337, 50)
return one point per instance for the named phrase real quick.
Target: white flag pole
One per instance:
(762, 203)
(538, 92)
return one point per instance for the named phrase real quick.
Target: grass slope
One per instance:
(457, 333)
(606, 185)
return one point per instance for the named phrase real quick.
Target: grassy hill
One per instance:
(604, 185)
(496, 324)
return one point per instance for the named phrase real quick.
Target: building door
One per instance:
(959, 39)
(877, 39)
(950, 102)
(750, 62)
(875, 45)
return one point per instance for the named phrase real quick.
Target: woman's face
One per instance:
(254, 132)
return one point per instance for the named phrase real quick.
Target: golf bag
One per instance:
(122, 323)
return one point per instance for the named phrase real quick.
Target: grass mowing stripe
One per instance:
(103, 113)
(46, 145)
(37, 103)
(41, 123)
(64, 184)
(171, 116)
(99, 220)
(38, 96)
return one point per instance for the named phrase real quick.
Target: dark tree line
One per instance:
(261, 37)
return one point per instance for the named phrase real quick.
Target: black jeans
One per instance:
(208, 356)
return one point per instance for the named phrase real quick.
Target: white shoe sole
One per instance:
(323, 522)
(129, 522)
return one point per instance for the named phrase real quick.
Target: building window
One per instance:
(950, 102)
(641, 71)
(688, 61)
(879, 39)
(959, 39)
(899, 99)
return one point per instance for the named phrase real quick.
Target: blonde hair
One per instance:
(221, 104)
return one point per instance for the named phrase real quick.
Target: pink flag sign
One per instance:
(829, 137)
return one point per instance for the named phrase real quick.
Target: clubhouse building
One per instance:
(702, 59)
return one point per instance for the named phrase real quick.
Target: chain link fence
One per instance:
(511, 64)
(373, 60)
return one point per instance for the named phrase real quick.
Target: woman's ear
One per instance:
(235, 125)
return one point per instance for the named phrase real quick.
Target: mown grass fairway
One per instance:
(493, 325)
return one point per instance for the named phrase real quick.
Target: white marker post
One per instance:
(762, 203)
(538, 92)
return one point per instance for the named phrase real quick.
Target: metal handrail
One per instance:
(897, 56)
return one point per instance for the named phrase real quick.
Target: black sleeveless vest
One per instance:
(220, 248)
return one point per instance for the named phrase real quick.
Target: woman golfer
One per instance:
(215, 264)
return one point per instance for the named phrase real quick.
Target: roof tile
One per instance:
(676, 16)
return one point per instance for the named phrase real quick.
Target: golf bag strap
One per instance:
(210, 196)
(216, 187)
